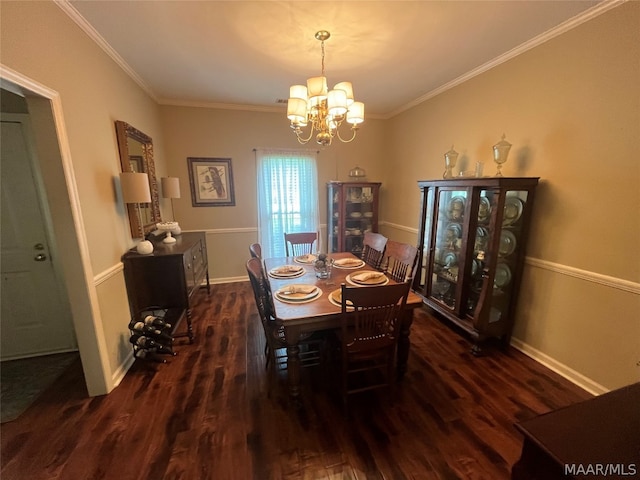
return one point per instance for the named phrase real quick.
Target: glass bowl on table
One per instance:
(322, 266)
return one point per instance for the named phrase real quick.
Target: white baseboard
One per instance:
(122, 370)
(215, 281)
(559, 368)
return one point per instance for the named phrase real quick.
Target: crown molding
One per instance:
(79, 20)
(220, 106)
(564, 27)
(585, 16)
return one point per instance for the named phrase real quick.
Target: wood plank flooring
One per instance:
(209, 413)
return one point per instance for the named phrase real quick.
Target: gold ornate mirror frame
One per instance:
(136, 155)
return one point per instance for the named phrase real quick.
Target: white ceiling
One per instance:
(246, 54)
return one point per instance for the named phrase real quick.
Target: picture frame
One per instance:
(211, 181)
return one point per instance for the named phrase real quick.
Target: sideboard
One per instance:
(168, 277)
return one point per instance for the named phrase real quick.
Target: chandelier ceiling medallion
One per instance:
(323, 111)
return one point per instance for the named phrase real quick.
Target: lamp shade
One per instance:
(355, 115)
(348, 89)
(170, 187)
(297, 110)
(337, 102)
(317, 87)
(135, 187)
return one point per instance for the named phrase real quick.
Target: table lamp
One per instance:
(135, 189)
(170, 189)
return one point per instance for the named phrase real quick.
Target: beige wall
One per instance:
(36, 41)
(211, 133)
(571, 109)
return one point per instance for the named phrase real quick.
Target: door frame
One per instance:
(45, 107)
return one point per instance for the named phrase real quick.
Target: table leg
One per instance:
(403, 342)
(292, 337)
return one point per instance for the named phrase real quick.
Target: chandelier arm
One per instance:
(298, 131)
(355, 131)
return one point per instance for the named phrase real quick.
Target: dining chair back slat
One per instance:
(374, 245)
(399, 261)
(369, 336)
(301, 243)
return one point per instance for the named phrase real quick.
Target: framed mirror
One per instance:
(136, 155)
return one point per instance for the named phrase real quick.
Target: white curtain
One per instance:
(287, 196)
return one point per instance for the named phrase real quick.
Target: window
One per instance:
(287, 197)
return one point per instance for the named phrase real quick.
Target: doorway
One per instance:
(55, 168)
(35, 318)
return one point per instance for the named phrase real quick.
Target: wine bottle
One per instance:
(148, 355)
(150, 330)
(156, 322)
(145, 342)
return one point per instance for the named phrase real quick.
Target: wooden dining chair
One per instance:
(399, 261)
(300, 243)
(374, 245)
(369, 337)
(255, 249)
(310, 343)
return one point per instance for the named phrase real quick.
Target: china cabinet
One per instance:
(352, 211)
(473, 233)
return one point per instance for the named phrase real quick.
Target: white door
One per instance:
(35, 316)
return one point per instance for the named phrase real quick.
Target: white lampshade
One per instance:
(317, 87)
(170, 187)
(348, 89)
(337, 102)
(298, 91)
(297, 110)
(135, 187)
(355, 114)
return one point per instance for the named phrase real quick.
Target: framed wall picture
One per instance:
(211, 182)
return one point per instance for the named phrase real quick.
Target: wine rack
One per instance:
(152, 333)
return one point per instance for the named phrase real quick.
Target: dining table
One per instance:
(319, 309)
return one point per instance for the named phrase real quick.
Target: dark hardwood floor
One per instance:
(207, 414)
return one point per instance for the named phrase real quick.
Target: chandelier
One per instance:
(321, 110)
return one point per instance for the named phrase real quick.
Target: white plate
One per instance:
(482, 236)
(455, 209)
(513, 207)
(306, 259)
(294, 271)
(381, 279)
(503, 275)
(368, 214)
(297, 292)
(355, 214)
(348, 266)
(335, 298)
(507, 243)
(484, 210)
(450, 259)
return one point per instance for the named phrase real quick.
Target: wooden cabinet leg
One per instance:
(189, 326)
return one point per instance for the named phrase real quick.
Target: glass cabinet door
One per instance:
(448, 243)
(358, 217)
(482, 239)
(333, 219)
(352, 212)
